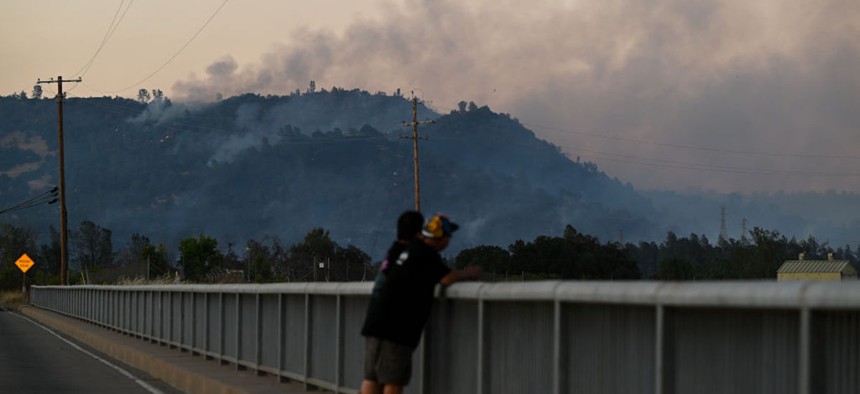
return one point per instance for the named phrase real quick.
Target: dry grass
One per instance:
(142, 281)
(11, 299)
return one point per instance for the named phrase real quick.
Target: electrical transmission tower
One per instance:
(723, 232)
(414, 123)
(64, 233)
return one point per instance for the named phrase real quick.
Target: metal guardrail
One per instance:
(529, 337)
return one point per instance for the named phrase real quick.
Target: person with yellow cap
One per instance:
(400, 305)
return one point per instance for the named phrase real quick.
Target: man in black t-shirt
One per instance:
(409, 226)
(400, 305)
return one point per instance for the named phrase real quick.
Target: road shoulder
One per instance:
(181, 370)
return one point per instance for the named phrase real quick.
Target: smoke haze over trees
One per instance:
(250, 166)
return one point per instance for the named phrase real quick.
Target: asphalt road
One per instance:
(33, 360)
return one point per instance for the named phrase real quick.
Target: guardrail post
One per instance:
(338, 350)
(281, 344)
(481, 389)
(85, 299)
(193, 323)
(141, 314)
(182, 321)
(660, 368)
(306, 373)
(161, 317)
(258, 348)
(239, 365)
(170, 340)
(151, 317)
(135, 314)
(113, 309)
(221, 325)
(557, 348)
(804, 352)
(132, 325)
(108, 309)
(127, 312)
(207, 331)
(114, 306)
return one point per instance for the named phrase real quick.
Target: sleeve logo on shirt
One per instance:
(402, 258)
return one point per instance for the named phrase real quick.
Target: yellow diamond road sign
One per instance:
(24, 262)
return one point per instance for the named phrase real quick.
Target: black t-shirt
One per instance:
(403, 293)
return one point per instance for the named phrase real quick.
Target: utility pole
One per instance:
(64, 233)
(415, 139)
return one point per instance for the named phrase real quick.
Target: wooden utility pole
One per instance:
(64, 228)
(415, 139)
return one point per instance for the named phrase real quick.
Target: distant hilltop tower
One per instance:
(312, 88)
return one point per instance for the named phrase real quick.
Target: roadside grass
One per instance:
(11, 299)
(142, 281)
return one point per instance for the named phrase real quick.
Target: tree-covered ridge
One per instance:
(317, 257)
(252, 165)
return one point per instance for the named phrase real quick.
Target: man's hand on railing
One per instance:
(470, 272)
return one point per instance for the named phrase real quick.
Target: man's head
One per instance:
(438, 230)
(409, 225)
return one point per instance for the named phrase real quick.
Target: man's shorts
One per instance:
(387, 362)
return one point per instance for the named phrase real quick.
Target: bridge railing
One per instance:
(527, 337)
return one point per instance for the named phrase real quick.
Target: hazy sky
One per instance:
(725, 95)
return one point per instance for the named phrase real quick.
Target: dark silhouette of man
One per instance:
(401, 301)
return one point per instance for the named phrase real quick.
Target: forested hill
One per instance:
(250, 166)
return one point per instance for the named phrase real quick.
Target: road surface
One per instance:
(36, 360)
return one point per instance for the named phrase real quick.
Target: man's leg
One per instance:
(395, 367)
(371, 387)
(393, 389)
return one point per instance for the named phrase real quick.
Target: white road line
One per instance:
(146, 386)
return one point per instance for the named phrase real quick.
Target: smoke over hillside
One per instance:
(250, 166)
(727, 95)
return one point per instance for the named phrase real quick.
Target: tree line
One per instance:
(757, 255)
(573, 255)
(199, 259)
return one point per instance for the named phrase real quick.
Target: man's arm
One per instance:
(472, 272)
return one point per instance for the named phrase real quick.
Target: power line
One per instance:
(174, 55)
(48, 197)
(114, 24)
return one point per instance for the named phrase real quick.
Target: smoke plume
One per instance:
(728, 95)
